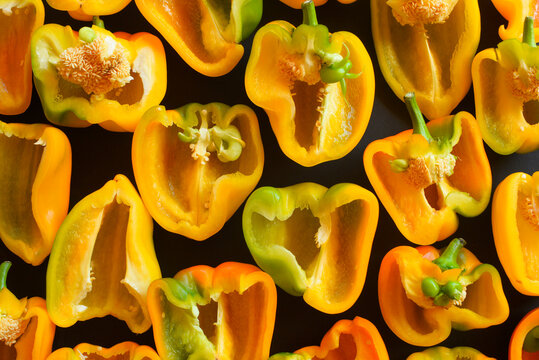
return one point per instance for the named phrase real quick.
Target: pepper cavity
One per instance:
(98, 63)
(225, 142)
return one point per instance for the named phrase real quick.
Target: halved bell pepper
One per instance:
(18, 20)
(103, 259)
(96, 77)
(313, 241)
(195, 165)
(356, 339)
(317, 88)
(296, 4)
(423, 294)
(125, 351)
(506, 89)
(205, 33)
(515, 226)
(26, 332)
(35, 176)
(425, 176)
(427, 46)
(206, 313)
(524, 344)
(85, 10)
(443, 353)
(515, 12)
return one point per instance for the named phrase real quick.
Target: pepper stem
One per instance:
(309, 13)
(528, 35)
(448, 259)
(418, 121)
(98, 22)
(4, 268)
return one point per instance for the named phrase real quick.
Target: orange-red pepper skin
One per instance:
(423, 213)
(186, 193)
(127, 350)
(515, 11)
(103, 259)
(35, 341)
(296, 4)
(515, 226)
(517, 342)
(35, 176)
(443, 353)
(206, 313)
(356, 339)
(413, 316)
(18, 20)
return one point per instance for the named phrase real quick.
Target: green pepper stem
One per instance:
(309, 13)
(4, 268)
(98, 22)
(418, 121)
(448, 259)
(528, 35)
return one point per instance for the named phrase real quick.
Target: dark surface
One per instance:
(98, 155)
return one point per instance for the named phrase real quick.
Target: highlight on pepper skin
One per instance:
(313, 241)
(443, 353)
(96, 77)
(356, 339)
(515, 226)
(524, 344)
(317, 88)
(506, 91)
(422, 176)
(196, 165)
(18, 20)
(26, 332)
(35, 176)
(423, 293)
(103, 259)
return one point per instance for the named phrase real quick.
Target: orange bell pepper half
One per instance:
(26, 332)
(206, 34)
(425, 176)
(317, 88)
(524, 344)
(206, 313)
(195, 165)
(124, 351)
(423, 294)
(35, 176)
(515, 12)
(18, 20)
(103, 259)
(356, 339)
(515, 226)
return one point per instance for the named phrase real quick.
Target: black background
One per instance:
(98, 155)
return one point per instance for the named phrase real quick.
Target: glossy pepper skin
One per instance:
(524, 344)
(317, 88)
(423, 294)
(35, 176)
(103, 259)
(443, 353)
(18, 20)
(195, 165)
(85, 10)
(126, 350)
(515, 226)
(314, 242)
(515, 12)
(356, 339)
(116, 103)
(506, 90)
(429, 50)
(206, 34)
(425, 176)
(296, 4)
(206, 313)
(26, 330)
